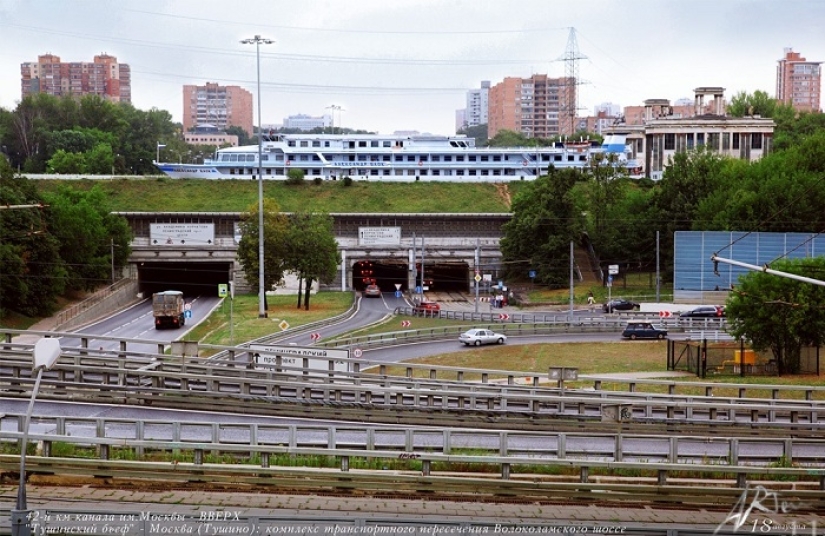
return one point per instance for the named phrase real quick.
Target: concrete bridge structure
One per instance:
(196, 251)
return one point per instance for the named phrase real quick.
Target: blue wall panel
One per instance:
(694, 271)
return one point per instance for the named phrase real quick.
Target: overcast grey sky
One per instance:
(407, 64)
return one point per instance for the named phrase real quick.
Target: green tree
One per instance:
(479, 132)
(243, 136)
(545, 219)
(778, 313)
(71, 141)
(603, 190)
(32, 273)
(100, 160)
(312, 251)
(691, 177)
(628, 234)
(276, 227)
(509, 138)
(66, 163)
(782, 192)
(92, 240)
(758, 103)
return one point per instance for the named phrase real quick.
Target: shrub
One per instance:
(295, 177)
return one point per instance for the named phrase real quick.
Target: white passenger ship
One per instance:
(394, 159)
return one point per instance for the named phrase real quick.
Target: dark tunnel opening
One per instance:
(192, 278)
(439, 277)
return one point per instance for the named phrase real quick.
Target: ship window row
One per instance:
(234, 157)
(387, 172)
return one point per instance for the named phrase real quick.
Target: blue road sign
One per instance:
(397, 293)
(187, 314)
(532, 274)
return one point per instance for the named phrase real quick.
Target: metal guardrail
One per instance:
(519, 324)
(673, 387)
(543, 447)
(188, 383)
(436, 472)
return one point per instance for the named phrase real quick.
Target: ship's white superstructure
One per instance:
(391, 158)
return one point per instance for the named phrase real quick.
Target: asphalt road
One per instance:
(137, 322)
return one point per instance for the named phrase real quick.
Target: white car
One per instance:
(479, 336)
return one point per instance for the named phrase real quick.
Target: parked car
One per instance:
(372, 291)
(479, 336)
(642, 329)
(426, 309)
(705, 311)
(620, 304)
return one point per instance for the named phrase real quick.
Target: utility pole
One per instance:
(422, 265)
(478, 246)
(571, 282)
(112, 254)
(657, 267)
(414, 266)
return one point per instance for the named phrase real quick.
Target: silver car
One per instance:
(479, 336)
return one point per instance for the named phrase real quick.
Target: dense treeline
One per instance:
(700, 191)
(54, 244)
(86, 135)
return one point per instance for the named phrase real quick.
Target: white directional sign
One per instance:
(613, 269)
(379, 236)
(266, 357)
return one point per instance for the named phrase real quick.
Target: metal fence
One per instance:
(734, 358)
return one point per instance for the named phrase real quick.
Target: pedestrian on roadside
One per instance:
(591, 301)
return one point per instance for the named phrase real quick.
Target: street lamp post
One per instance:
(334, 107)
(46, 352)
(258, 40)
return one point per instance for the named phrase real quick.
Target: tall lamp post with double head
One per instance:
(46, 352)
(258, 41)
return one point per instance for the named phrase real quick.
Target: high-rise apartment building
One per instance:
(216, 105)
(475, 113)
(538, 106)
(104, 77)
(798, 82)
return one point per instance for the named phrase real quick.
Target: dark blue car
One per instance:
(643, 329)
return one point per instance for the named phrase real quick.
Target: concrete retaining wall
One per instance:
(106, 301)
